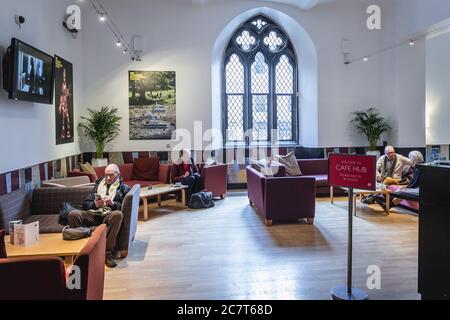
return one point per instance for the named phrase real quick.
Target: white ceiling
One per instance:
(301, 4)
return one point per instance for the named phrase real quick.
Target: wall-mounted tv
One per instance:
(28, 73)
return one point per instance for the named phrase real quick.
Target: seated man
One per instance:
(412, 179)
(392, 166)
(103, 205)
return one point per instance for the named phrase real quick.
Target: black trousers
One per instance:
(194, 183)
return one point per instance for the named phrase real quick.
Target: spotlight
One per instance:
(102, 17)
(411, 42)
(366, 59)
(125, 51)
(118, 43)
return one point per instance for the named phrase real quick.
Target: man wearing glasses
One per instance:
(392, 165)
(103, 206)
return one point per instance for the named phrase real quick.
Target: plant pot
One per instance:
(99, 162)
(374, 153)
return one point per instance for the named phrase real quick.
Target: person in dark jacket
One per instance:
(186, 172)
(103, 206)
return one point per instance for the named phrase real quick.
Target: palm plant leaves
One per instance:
(102, 126)
(371, 124)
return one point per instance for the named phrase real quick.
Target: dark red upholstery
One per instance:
(2, 245)
(91, 261)
(32, 279)
(317, 169)
(214, 179)
(92, 177)
(280, 198)
(146, 169)
(126, 171)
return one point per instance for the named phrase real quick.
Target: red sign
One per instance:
(352, 171)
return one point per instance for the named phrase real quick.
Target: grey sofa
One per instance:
(47, 202)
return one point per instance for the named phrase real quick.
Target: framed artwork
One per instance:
(152, 103)
(63, 101)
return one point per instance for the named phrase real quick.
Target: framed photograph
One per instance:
(152, 102)
(63, 101)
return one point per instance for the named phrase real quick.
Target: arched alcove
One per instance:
(307, 66)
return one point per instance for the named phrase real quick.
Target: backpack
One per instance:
(201, 200)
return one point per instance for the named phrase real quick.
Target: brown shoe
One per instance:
(109, 260)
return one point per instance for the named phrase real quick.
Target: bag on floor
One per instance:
(76, 233)
(202, 200)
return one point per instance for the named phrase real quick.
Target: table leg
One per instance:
(145, 209)
(183, 197)
(159, 201)
(388, 202)
(332, 195)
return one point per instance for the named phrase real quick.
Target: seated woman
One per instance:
(186, 172)
(412, 177)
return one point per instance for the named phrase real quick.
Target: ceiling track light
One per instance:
(118, 43)
(411, 42)
(102, 17)
(366, 59)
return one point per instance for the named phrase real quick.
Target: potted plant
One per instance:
(371, 124)
(102, 127)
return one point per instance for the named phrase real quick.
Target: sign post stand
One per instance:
(348, 292)
(351, 172)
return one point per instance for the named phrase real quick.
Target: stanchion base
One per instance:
(340, 293)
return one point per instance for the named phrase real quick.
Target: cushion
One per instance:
(88, 168)
(290, 162)
(210, 162)
(14, 206)
(269, 169)
(146, 169)
(2, 245)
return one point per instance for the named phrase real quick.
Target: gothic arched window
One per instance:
(260, 101)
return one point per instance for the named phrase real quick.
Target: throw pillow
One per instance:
(146, 169)
(291, 164)
(210, 162)
(277, 169)
(88, 168)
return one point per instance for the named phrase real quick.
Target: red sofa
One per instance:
(317, 169)
(126, 171)
(282, 198)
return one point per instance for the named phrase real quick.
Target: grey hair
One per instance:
(114, 168)
(416, 157)
(387, 148)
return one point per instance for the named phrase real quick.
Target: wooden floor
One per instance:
(228, 253)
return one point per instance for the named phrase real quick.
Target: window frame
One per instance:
(272, 58)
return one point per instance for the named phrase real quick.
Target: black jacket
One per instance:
(122, 190)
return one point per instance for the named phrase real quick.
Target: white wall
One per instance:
(181, 37)
(27, 130)
(438, 89)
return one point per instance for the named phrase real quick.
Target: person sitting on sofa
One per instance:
(186, 172)
(103, 205)
(412, 177)
(392, 166)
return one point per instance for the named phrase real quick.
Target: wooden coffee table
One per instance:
(360, 192)
(50, 245)
(158, 191)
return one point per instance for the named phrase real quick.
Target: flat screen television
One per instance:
(28, 73)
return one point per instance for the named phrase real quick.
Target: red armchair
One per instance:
(282, 198)
(214, 179)
(45, 278)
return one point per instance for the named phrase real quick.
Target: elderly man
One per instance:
(392, 165)
(103, 205)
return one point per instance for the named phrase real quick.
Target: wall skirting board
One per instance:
(32, 176)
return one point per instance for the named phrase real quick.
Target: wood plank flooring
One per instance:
(228, 253)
